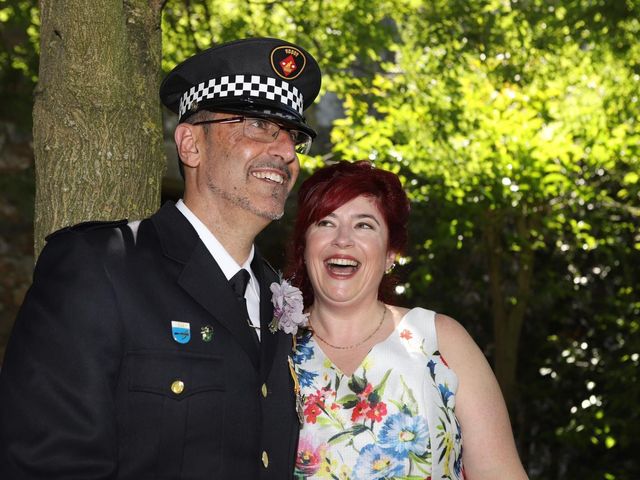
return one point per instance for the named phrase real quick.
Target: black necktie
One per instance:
(239, 282)
(239, 285)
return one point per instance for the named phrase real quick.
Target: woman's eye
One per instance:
(364, 225)
(324, 223)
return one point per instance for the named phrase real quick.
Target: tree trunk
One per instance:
(97, 118)
(508, 303)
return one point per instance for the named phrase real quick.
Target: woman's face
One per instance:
(347, 252)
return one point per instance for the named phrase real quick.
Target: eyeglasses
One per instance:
(266, 131)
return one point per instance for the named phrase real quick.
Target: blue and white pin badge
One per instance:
(181, 331)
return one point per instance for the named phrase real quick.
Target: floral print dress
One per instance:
(392, 419)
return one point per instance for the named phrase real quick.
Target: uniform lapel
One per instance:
(268, 340)
(202, 278)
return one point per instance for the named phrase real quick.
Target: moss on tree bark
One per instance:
(97, 119)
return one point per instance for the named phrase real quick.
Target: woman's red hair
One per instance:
(331, 187)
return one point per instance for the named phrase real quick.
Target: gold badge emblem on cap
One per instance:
(288, 62)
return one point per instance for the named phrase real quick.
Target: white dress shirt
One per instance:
(227, 264)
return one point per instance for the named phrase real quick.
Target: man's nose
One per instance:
(284, 147)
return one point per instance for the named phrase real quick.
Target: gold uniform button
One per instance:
(264, 390)
(177, 387)
(265, 459)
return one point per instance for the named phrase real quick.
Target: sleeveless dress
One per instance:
(392, 419)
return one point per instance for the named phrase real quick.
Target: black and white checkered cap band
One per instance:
(256, 86)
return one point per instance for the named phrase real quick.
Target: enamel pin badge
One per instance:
(207, 333)
(181, 331)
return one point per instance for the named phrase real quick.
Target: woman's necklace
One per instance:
(349, 347)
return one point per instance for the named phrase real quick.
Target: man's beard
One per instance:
(246, 204)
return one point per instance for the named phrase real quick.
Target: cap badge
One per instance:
(288, 62)
(288, 65)
(181, 331)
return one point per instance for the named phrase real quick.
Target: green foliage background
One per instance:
(514, 125)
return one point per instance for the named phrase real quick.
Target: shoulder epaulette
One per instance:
(88, 226)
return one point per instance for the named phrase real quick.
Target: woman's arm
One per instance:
(489, 450)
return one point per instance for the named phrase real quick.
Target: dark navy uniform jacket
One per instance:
(94, 386)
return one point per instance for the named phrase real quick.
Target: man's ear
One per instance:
(186, 143)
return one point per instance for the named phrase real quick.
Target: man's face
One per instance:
(247, 174)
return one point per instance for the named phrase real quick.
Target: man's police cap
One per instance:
(263, 77)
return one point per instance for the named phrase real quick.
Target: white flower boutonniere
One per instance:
(287, 308)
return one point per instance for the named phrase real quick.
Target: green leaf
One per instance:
(357, 384)
(348, 401)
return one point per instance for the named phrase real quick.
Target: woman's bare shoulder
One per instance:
(397, 313)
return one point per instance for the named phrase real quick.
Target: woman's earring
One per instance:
(390, 269)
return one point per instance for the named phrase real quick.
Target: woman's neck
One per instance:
(346, 335)
(345, 321)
